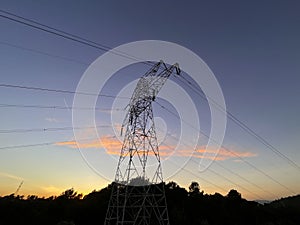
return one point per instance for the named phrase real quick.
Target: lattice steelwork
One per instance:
(138, 195)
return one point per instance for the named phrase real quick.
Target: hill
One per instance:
(192, 207)
(292, 202)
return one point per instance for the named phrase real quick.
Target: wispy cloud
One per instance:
(11, 176)
(109, 142)
(75, 144)
(113, 146)
(222, 154)
(52, 120)
(110, 111)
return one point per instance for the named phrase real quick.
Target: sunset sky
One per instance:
(252, 48)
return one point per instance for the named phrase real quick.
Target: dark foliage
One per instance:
(185, 207)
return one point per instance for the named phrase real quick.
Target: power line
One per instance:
(196, 175)
(236, 155)
(242, 125)
(59, 91)
(66, 128)
(112, 96)
(190, 172)
(43, 53)
(72, 92)
(3, 105)
(27, 145)
(75, 38)
(230, 171)
(9, 131)
(105, 48)
(220, 175)
(89, 139)
(234, 183)
(41, 144)
(74, 128)
(93, 44)
(242, 178)
(49, 31)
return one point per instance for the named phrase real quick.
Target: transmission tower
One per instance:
(138, 195)
(19, 187)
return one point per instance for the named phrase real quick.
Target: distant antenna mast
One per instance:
(138, 195)
(19, 187)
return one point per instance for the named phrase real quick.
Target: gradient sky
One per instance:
(252, 47)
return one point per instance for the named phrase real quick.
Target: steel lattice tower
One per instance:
(138, 195)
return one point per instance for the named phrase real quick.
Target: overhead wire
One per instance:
(4, 105)
(68, 128)
(42, 144)
(232, 182)
(100, 126)
(214, 172)
(230, 171)
(243, 178)
(21, 130)
(43, 53)
(78, 39)
(106, 48)
(225, 148)
(75, 38)
(59, 91)
(53, 143)
(242, 124)
(66, 91)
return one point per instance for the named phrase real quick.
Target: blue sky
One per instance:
(252, 48)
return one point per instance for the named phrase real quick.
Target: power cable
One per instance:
(3, 105)
(43, 53)
(59, 91)
(106, 48)
(236, 155)
(49, 129)
(111, 96)
(82, 41)
(230, 171)
(43, 144)
(45, 28)
(243, 125)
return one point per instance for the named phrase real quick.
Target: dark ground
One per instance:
(185, 208)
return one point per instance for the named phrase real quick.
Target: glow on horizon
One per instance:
(87, 186)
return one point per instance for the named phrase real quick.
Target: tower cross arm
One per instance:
(148, 88)
(158, 80)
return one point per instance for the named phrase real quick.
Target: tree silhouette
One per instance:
(194, 187)
(184, 207)
(234, 195)
(70, 194)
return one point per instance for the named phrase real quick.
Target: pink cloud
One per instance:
(113, 146)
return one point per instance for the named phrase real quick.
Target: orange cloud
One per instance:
(113, 146)
(214, 154)
(222, 154)
(75, 144)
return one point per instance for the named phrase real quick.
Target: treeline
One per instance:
(186, 207)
